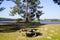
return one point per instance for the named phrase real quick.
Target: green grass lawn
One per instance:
(49, 32)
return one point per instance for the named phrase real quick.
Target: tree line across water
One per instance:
(42, 20)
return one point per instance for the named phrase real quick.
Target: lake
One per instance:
(50, 22)
(40, 22)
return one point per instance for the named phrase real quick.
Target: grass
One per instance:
(49, 32)
(8, 36)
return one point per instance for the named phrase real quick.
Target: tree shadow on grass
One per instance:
(31, 29)
(35, 24)
(16, 27)
(9, 28)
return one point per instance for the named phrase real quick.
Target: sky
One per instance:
(50, 10)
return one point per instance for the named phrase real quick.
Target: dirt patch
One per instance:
(33, 34)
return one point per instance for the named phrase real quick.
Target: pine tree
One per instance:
(2, 8)
(57, 1)
(28, 9)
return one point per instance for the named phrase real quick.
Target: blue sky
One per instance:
(50, 10)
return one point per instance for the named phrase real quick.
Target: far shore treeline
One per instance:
(42, 20)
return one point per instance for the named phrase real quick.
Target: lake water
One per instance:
(50, 22)
(40, 22)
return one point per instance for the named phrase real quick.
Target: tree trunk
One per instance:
(38, 19)
(26, 14)
(27, 19)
